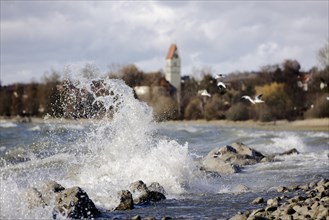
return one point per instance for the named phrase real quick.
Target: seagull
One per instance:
(218, 76)
(204, 93)
(253, 101)
(323, 83)
(221, 85)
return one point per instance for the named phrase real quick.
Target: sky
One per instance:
(222, 36)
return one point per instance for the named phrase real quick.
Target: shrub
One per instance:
(320, 108)
(278, 101)
(262, 113)
(238, 112)
(215, 108)
(193, 109)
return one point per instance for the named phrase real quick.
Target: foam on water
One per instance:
(5, 124)
(35, 128)
(123, 150)
(285, 142)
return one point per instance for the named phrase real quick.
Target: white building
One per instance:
(173, 67)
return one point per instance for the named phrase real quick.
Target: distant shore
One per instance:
(316, 124)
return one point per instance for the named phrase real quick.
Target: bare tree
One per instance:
(323, 55)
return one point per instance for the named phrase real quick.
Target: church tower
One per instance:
(173, 67)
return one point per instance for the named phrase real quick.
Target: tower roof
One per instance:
(171, 51)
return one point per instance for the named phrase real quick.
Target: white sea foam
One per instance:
(74, 126)
(122, 149)
(5, 124)
(318, 134)
(284, 142)
(35, 128)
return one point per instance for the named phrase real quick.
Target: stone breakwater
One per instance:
(308, 201)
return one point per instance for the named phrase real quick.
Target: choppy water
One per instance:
(105, 156)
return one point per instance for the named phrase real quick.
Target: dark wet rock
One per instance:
(293, 188)
(136, 217)
(271, 208)
(257, 212)
(258, 200)
(126, 200)
(269, 158)
(75, 203)
(138, 186)
(244, 150)
(240, 189)
(282, 189)
(34, 198)
(273, 202)
(156, 187)
(143, 195)
(49, 190)
(289, 152)
(239, 217)
(69, 203)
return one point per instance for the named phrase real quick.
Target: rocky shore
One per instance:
(308, 201)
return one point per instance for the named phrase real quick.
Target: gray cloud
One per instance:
(226, 36)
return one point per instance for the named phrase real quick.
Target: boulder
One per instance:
(258, 200)
(244, 150)
(156, 187)
(211, 164)
(142, 194)
(241, 189)
(230, 159)
(49, 190)
(34, 198)
(74, 203)
(289, 152)
(126, 200)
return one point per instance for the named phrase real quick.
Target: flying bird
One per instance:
(221, 85)
(204, 93)
(218, 76)
(253, 101)
(323, 83)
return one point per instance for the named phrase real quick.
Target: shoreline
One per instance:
(315, 124)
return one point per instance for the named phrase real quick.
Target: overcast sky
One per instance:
(226, 36)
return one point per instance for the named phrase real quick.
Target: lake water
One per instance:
(83, 154)
(105, 156)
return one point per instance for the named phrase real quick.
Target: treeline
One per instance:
(288, 93)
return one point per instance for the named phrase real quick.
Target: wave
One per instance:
(4, 124)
